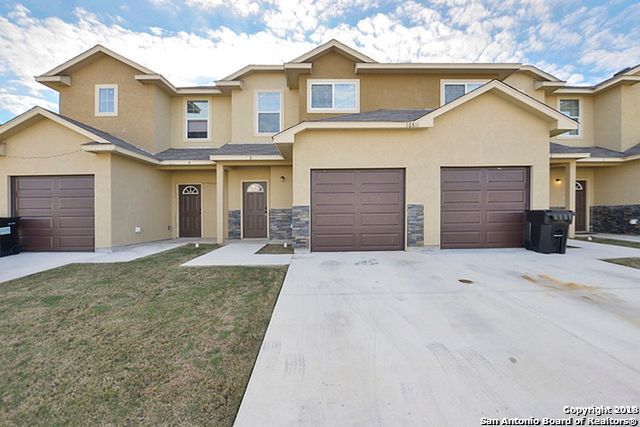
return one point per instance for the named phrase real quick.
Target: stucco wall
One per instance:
(140, 106)
(487, 131)
(145, 204)
(207, 180)
(587, 130)
(526, 83)
(618, 185)
(47, 148)
(630, 116)
(244, 106)
(608, 113)
(379, 90)
(219, 122)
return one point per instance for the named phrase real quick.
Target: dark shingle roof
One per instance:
(185, 154)
(379, 116)
(594, 151)
(266, 149)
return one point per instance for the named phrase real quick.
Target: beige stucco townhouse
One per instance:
(331, 150)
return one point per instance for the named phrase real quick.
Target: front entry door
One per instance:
(254, 210)
(189, 211)
(581, 206)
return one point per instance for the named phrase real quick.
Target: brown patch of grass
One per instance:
(627, 262)
(145, 342)
(606, 241)
(273, 249)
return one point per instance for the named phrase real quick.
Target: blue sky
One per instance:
(199, 41)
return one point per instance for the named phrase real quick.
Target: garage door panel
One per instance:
(506, 196)
(338, 219)
(344, 241)
(462, 197)
(497, 217)
(379, 241)
(472, 217)
(57, 212)
(335, 177)
(381, 219)
(505, 217)
(373, 217)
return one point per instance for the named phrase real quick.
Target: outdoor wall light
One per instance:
(558, 181)
(282, 178)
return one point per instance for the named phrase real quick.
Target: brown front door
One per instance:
(581, 206)
(57, 212)
(483, 207)
(190, 210)
(254, 210)
(357, 210)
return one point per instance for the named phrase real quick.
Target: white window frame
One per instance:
(465, 82)
(186, 120)
(115, 100)
(333, 82)
(580, 106)
(256, 129)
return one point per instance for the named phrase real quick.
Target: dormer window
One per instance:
(107, 100)
(197, 125)
(333, 96)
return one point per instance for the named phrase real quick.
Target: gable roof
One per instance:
(97, 137)
(558, 122)
(88, 56)
(333, 45)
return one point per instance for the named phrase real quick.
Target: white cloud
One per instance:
(443, 31)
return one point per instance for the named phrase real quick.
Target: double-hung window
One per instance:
(107, 100)
(334, 96)
(571, 109)
(197, 125)
(269, 112)
(452, 90)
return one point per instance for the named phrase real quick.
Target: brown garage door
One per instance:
(483, 207)
(357, 210)
(57, 212)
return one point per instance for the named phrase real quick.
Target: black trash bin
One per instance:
(9, 236)
(548, 230)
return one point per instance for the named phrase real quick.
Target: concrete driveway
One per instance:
(381, 339)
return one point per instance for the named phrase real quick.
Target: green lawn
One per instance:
(627, 262)
(145, 342)
(274, 249)
(626, 243)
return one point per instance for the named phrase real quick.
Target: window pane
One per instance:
(345, 96)
(321, 96)
(472, 86)
(269, 102)
(268, 122)
(196, 128)
(106, 98)
(197, 109)
(452, 92)
(570, 107)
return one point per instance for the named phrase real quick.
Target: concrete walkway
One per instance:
(27, 263)
(395, 338)
(628, 237)
(241, 253)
